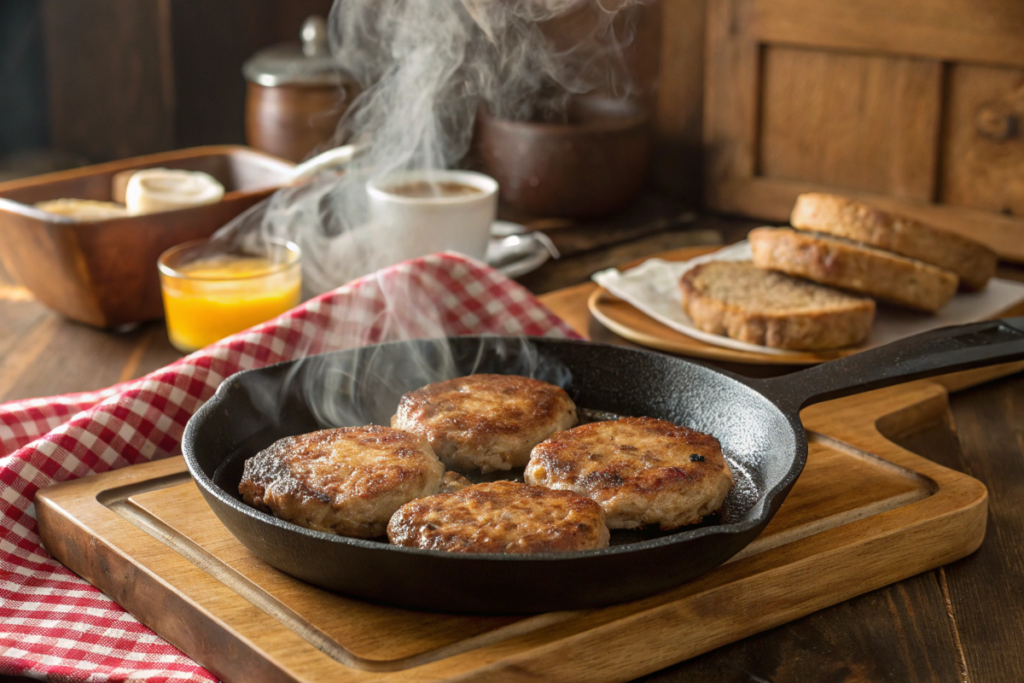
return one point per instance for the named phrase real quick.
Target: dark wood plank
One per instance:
(895, 634)
(61, 357)
(110, 76)
(986, 592)
(678, 155)
(210, 101)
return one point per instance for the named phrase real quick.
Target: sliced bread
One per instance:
(856, 267)
(841, 217)
(757, 306)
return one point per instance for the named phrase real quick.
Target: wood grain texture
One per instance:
(110, 85)
(885, 635)
(730, 99)
(793, 653)
(679, 113)
(852, 521)
(989, 429)
(954, 30)
(104, 273)
(983, 146)
(773, 200)
(888, 145)
(856, 121)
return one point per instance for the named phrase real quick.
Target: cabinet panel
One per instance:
(865, 122)
(983, 144)
(916, 106)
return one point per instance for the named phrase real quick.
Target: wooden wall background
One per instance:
(917, 105)
(131, 77)
(913, 105)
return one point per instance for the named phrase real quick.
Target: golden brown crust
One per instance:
(974, 263)
(841, 263)
(453, 481)
(501, 517)
(344, 481)
(640, 469)
(736, 299)
(487, 422)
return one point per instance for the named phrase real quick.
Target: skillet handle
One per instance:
(936, 352)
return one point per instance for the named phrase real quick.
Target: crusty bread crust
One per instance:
(848, 265)
(831, 319)
(974, 263)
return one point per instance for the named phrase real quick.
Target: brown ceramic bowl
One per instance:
(595, 164)
(104, 273)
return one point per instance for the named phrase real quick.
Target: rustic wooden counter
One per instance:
(962, 622)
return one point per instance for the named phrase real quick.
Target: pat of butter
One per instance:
(165, 189)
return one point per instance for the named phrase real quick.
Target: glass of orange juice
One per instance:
(210, 294)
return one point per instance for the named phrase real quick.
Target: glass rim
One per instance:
(294, 256)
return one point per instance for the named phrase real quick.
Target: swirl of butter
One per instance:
(165, 189)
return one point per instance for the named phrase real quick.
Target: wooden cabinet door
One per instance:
(914, 105)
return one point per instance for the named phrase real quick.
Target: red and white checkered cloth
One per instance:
(55, 625)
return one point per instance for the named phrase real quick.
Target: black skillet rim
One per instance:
(766, 501)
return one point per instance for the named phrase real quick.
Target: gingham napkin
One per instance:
(55, 625)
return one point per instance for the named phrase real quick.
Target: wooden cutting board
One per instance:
(864, 513)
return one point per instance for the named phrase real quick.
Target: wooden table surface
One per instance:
(962, 622)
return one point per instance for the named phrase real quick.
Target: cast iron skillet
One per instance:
(756, 421)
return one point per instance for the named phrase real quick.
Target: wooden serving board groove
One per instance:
(864, 513)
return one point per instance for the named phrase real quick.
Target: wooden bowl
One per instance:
(104, 273)
(595, 164)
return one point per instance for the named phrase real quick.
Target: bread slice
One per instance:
(841, 217)
(757, 306)
(856, 267)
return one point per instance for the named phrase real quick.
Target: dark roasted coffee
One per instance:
(422, 189)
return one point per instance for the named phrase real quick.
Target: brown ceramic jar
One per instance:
(593, 164)
(296, 95)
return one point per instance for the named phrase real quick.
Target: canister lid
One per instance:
(308, 63)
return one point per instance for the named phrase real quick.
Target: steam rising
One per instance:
(426, 66)
(344, 391)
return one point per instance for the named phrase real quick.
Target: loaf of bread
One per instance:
(736, 299)
(974, 263)
(848, 265)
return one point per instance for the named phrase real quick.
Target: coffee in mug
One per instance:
(432, 189)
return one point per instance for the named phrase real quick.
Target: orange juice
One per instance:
(213, 297)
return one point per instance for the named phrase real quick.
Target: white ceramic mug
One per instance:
(408, 226)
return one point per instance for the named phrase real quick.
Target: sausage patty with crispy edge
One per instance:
(641, 470)
(485, 422)
(501, 517)
(344, 481)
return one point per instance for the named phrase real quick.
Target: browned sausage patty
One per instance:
(485, 422)
(641, 470)
(501, 517)
(343, 481)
